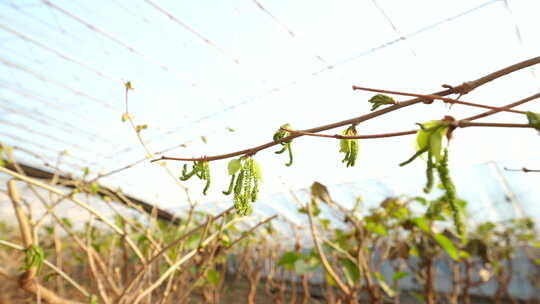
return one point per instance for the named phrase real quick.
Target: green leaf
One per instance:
(421, 223)
(447, 245)
(230, 129)
(329, 279)
(399, 275)
(139, 128)
(325, 224)
(34, 258)
(435, 142)
(67, 222)
(376, 228)
(288, 259)
(379, 100)
(382, 282)
(352, 274)
(128, 85)
(426, 130)
(301, 267)
(257, 171)
(94, 188)
(213, 277)
(93, 299)
(233, 166)
(534, 120)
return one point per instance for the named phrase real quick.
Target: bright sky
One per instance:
(201, 67)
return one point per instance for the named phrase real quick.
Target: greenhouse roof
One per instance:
(213, 77)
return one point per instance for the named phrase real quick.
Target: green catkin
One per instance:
(289, 149)
(201, 169)
(248, 172)
(450, 195)
(231, 186)
(185, 175)
(354, 153)
(418, 153)
(206, 176)
(255, 190)
(349, 146)
(429, 174)
(280, 133)
(246, 186)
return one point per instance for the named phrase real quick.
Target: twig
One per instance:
(459, 124)
(431, 97)
(164, 250)
(523, 169)
(511, 105)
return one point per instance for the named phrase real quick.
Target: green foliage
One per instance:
(298, 262)
(447, 245)
(349, 146)
(245, 177)
(201, 169)
(128, 85)
(139, 128)
(288, 259)
(325, 224)
(352, 274)
(314, 208)
(375, 227)
(94, 188)
(280, 134)
(534, 120)
(213, 276)
(34, 258)
(399, 275)
(379, 100)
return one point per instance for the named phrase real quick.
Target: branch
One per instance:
(184, 259)
(462, 89)
(457, 124)
(245, 233)
(164, 250)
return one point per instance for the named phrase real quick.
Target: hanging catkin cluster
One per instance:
(287, 145)
(245, 177)
(429, 139)
(349, 146)
(201, 169)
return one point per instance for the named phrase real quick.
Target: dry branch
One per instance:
(27, 280)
